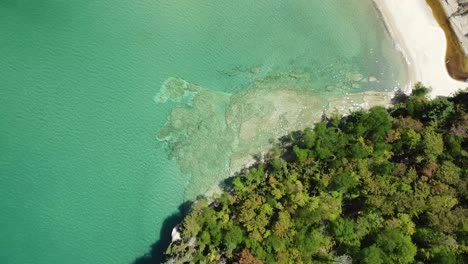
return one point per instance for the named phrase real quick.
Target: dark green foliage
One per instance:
(420, 91)
(301, 154)
(396, 247)
(371, 125)
(372, 255)
(382, 186)
(343, 181)
(233, 237)
(345, 232)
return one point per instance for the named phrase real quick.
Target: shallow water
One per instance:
(97, 147)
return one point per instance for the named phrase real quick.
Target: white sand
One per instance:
(417, 34)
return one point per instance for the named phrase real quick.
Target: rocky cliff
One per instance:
(457, 12)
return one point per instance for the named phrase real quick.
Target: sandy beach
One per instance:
(422, 42)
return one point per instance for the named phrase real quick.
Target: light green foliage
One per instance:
(309, 138)
(283, 224)
(402, 223)
(191, 225)
(360, 150)
(369, 223)
(432, 144)
(412, 139)
(308, 242)
(205, 238)
(345, 232)
(448, 173)
(301, 154)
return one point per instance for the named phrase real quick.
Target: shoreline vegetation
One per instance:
(456, 59)
(247, 122)
(377, 186)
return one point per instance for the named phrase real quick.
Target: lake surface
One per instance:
(114, 113)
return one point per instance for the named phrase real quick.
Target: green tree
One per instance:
(432, 144)
(301, 154)
(396, 247)
(233, 237)
(343, 181)
(345, 232)
(372, 255)
(308, 242)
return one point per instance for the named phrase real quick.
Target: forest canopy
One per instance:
(376, 186)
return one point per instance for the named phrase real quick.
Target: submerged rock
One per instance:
(216, 134)
(176, 89)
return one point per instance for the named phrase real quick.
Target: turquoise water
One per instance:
(98, 146)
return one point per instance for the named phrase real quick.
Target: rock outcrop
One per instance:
(457, 12)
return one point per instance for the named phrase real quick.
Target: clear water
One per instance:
(99, 144)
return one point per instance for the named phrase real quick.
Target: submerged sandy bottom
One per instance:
(212, 134)
(82, 169)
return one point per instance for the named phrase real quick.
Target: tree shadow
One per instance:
(399, 97)
(157, 250)
(156, 254)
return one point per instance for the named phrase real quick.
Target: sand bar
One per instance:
(417, 34)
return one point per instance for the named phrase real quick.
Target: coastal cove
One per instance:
(114, 114)
(445, 86)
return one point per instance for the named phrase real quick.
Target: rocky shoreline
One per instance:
(457, 14)
(452, 17)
